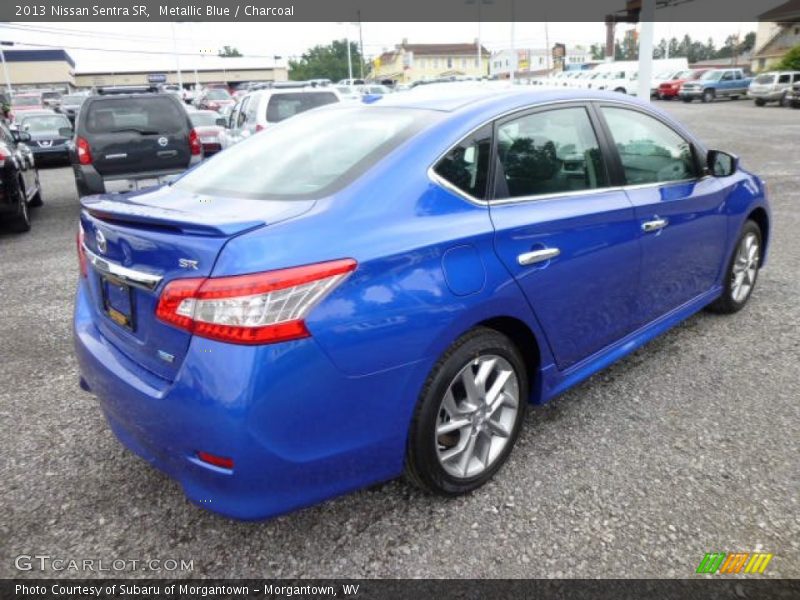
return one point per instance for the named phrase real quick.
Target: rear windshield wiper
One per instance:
(142, 131)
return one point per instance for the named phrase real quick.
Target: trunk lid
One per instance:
(163, 233)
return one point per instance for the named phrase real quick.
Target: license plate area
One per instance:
(118, 301)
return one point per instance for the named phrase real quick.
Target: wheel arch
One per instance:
(525, 340)
(759, 215)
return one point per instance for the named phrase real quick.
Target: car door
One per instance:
(679, 210)
(23, 158)
(566, 235)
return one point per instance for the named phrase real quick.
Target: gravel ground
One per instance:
(690, 445)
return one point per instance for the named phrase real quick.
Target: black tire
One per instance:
(423, 467)
(686, 99)
(708, 96)
(620, 90)
(784, 101)
(726, 304)
(734, 97)
(667, 98)
(21, 222)
(760, 102)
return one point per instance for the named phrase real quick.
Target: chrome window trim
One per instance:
(132, 277)
(442, 182)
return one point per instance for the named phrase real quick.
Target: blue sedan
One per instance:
(374, 290)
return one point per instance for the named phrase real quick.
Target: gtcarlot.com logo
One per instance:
(734, 562)
(45, 562)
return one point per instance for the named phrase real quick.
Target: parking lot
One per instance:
(688, 446)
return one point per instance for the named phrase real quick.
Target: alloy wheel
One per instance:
(477, 416)
(745, 268)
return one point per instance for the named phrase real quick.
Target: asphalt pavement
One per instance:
(688, 446)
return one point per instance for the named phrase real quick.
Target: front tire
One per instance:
(742, 272)
(708, 96)
(469, 414)
(759, 102)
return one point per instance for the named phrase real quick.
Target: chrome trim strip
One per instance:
(139, 279)
(118, 155)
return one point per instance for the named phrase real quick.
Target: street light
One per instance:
(349, 59)
(478, 50)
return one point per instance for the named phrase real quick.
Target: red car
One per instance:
(213, 99)
(25, 102)
(208, 125)
(669, 89)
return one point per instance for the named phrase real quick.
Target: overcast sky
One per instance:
(292, 39)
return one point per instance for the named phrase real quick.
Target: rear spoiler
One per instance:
(124, 211)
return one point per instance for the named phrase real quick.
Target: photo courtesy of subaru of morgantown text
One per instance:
(442, 293)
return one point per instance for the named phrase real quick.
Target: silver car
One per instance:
(772, 86)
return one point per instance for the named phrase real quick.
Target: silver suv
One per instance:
(772, 86)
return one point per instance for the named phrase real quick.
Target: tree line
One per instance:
(693, 50)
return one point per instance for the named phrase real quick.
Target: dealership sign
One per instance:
(157, 78)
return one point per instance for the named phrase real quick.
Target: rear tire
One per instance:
(36, 201)
(784, 101)
(469, 414)
(708, 96)
(759, 102)
(742, 271)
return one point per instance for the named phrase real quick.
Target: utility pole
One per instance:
(647, 16)
(547, 49)
(5, 67)
(360, 45)
(513, 49)
(177, 57)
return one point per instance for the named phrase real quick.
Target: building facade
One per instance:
(33, 69)
(778, 32)
(416, 62)
(535, 61)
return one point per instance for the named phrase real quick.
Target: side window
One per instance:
(549, 152)
(796, 78)
(738, 75)
(784, 78)
(727, 76)
(250, 110)
(650, 151)
(466, 166)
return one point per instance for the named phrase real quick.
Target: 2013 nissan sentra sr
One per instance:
(366, 291)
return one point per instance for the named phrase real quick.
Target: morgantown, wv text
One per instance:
(197, 591)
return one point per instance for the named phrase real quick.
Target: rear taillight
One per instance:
(260, 308)
(195, 147)
(84, 151)
(81, 253)
(3, 156)
(259, 127)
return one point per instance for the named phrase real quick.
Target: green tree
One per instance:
(790, 60)
(598, 51)
(326, 62)
(228, 51)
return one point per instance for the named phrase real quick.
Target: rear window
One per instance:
(306, 158)
(203, 119)
(769, 78)
(73, 99)
(218, 94)
(26, 101)
(283, 106)
(153, 114)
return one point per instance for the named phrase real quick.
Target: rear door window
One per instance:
(146, 115)
(283, 106)
(784, 78)
(466, 166)
(549, 152)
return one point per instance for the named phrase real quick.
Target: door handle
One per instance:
(537, 256)
(654, 225)
(167, 153)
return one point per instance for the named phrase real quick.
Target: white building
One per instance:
(533, 61)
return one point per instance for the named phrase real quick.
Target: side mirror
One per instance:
(722, 164)
(23, 136)
(65, 132)
(222, 122)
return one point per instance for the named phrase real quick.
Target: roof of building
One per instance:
(38, 56)
(788, 11)
(434, 50)
(167, 64)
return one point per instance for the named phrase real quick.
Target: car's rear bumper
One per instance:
(92, 182)
(298, 430)
(59, 153)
